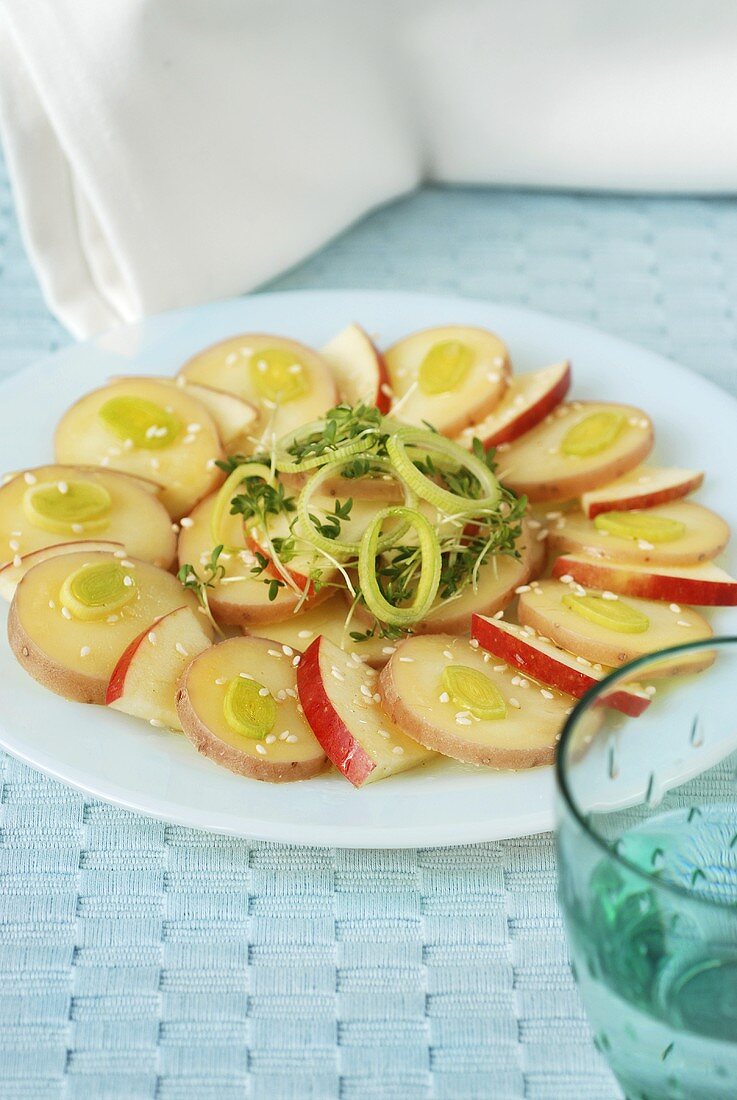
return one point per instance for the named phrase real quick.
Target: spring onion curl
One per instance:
(225, 495)
(429, 580)
(339, 546)
(442, 499)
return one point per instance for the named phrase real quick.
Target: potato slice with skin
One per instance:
(704, 585)
(327, 619)
(137, 519)
(239, 598)
(643, 487)
(228, 366)
(705, 536)
(480, 383)
(528, 400)
(411, 686)
(184, 468)
(526, 650)
(144, 681)
(536, 466)
(289, 752)
(546, 613)
(13, 572)
(338, 694)
(74, 658)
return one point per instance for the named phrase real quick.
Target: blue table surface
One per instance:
(142, 960)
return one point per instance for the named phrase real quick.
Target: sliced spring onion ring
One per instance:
(286, 464)
(341, 546)
(225, 495)
(427, 586)
(442, 499)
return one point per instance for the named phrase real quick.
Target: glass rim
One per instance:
(581, 707)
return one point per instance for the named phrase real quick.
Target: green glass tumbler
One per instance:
(647, 863)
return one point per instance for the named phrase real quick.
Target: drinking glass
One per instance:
(647, 858)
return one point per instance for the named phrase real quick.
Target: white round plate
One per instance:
(154, 772)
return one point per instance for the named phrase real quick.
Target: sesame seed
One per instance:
(52, 605)
(447, 653)
(17, 561)
(155, 722)
(607, 595)
(566, 578)
(245, 676)
(584, 661)
(514, 703)
(270, 738)
(175, 528)
(127, 564)
(499, 668)
(181, 649)
(384, 733)
(281, 695)
(78, 528)
(128, 581)
(338, 675)
(118, 553)
(474, 643)
(292, 739)
(261, 749)
(376, 697)
(389, 649)
(365, 691)
(220, 681)
(522, 588)
(152, 637)
(546, 694)
(675, 609)
(444, 697)
(112, 618)
(283, 735)
(541, 535)
(553, 515)
(515, 681)
(398, 750)
(524, 683)
(463, 721)
(186, 522)
(407, 660)
(683, 622)
(194, 427)
(499, 615)
(295, 661)
(273, 652)
(264, 692)
(189, 438)
(650, 689)
(66, 612)
(645, 545)
(287, 651)
(30, 479)
(85, 651)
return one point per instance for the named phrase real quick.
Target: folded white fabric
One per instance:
(166, 152)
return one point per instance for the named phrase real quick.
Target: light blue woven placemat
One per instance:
(140, 960)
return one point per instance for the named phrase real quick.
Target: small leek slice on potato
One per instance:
(53, 505)
(147, 428)
(238, 705)
(450, 696)
(579, 446)
(73, 615)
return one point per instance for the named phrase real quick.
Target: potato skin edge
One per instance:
(75, 686)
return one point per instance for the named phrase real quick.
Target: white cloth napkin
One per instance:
(166, 152)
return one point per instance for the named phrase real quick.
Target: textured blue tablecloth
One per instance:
(142, 960)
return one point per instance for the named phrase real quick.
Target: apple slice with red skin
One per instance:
(537, 657)
(144, 682)
(704, 585)
(358, 368)
(233, 415)
(13, 571)
(339, 696)
(528, 400)
(643, 487)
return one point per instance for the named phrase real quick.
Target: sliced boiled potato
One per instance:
(69, 652)
(289, 383)
(239, 598)
(654, 626)
(148, 428)
(238, 705)
(450, 376)
(51, 505)
(327, 619)
(481, 714)
(13, 571)
(691, 534)
(341, 703)
(579, 446)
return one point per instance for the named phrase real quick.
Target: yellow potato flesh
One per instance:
(136, 518)
(207, 686)
(183, 468)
